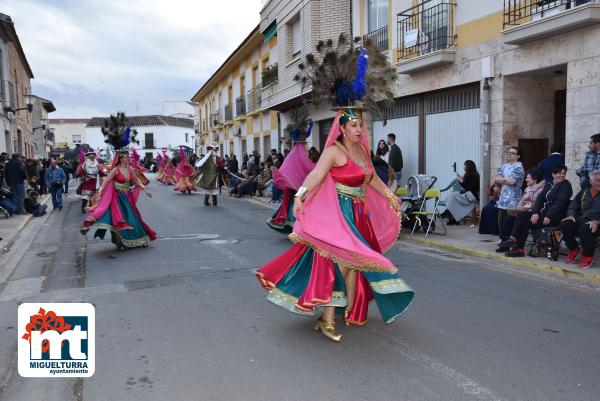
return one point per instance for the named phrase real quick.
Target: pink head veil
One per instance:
(294, 169)
(323, 225)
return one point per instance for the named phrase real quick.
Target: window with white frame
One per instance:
(296, 36)
(76, 139)
(377, 11)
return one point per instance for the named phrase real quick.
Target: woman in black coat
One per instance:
(549, 209)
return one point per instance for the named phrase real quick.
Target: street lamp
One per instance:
(44, 124)
(29, 102)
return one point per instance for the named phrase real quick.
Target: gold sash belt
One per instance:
(122, 186)
(355, 192)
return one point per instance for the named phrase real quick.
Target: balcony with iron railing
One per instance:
(528, 20)
(270, 75)
(254, 99)
(426, 36)
(228, 112)
(216, 118)
(240, 106)
(379, 37)
(149, 144)
(8, 96)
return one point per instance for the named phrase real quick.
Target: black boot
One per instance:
(206, 200)
(214, 200)
(83, 205)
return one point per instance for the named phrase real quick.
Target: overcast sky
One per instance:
(95, 57)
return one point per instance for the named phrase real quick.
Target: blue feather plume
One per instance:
(309, 129)
(347, 93)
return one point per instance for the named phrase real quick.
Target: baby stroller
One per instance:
(5, 196)
(414, 197)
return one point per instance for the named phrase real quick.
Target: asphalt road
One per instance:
(185, 319)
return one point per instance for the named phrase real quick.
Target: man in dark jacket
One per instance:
(395, 161)
(15, 179)
(555, 159)
(582, 221)
(548, 209)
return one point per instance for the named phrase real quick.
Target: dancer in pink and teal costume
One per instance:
(115, 209)
(293, 171)
(346, 216)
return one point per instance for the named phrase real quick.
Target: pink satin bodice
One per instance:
(120, 178)
(351, 174)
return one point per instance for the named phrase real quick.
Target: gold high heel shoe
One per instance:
(328, 330)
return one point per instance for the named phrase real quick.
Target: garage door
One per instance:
(452, 133)
(403, 120)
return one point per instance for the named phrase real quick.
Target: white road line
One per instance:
(466, 384)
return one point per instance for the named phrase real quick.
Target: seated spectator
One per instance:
(461, 203)
(264, 179)
(535, 185)
(582, 221)
(243, 187)
(31, 203)
(488, 220)
(549, 209)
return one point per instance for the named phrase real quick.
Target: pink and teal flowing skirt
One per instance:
(130, 232)
(283, 219)
(304, 279)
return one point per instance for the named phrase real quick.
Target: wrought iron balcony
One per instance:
(228, 112)
(216, 118)
(270, 75)
(254, 99)
(425, 28)
(517, 12)
(379, 37)
(240, 106)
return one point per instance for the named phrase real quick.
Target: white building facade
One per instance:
(155, 133)
(68, 132)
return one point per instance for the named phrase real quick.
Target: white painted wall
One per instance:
(63, 133)
(164, 137)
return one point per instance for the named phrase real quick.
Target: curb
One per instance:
(20, 227)
(521, 262)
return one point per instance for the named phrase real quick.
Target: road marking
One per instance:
(461, 381)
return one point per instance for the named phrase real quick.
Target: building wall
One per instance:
(64, 131)
(22, 119)
(164, 137)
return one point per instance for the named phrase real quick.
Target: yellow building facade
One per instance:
(229, 105)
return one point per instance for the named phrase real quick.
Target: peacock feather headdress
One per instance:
(118, 132)
(349, 74)
(300, 127)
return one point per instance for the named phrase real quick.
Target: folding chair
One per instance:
(433, 216)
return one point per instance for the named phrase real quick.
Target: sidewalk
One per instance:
(10, 228)
(467, 240)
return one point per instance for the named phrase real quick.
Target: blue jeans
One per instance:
(275, 193)
(18, 192)
(57, 199)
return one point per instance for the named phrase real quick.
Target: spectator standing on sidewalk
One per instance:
(33, 174)
(15, 179)
(591, 161)
(2, 167)
(395, 159)
(67, 169)
(582, 221)
(555, 159)
(510, 177)
(55, 180)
